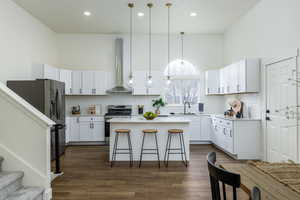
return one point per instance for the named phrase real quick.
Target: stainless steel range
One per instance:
(115, 111)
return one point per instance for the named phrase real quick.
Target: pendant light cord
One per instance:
(182, 34)
(168, 5)
(150, 40)
(130, 5)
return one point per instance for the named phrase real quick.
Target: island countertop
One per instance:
(156, 120)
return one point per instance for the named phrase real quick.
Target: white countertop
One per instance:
(236, 119)
(156, 120)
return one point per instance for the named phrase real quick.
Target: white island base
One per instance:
(137, 125)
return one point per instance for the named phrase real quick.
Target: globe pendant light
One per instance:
(149, 78)
(130, 82)
(168, 82)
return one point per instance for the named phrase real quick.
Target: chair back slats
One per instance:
(217, 175)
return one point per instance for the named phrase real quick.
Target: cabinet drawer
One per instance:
(90, 119)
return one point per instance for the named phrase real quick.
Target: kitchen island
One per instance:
(137, 125)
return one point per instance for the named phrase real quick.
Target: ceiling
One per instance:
(112, 16)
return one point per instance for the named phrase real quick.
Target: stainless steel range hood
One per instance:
(119, 87)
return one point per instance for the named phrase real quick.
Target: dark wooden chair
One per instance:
(219, 175)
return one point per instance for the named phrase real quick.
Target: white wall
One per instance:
(23, 41)
(268, 28)
(95, 51)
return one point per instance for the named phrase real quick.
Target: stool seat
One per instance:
(150, 131)
(175, 131)
(122, 131)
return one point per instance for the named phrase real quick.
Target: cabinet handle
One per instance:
(224, 131)
(238, 87)
(219, 90)
(230, 133)
(80, 90)
(207, 90)
(228, 87)
(71, 91)
(77, 119)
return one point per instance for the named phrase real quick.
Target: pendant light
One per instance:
(149, 78)
(168, 77)
(182, 35)
(130, 82)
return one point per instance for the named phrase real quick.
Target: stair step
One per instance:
(27, 193)
(1, 160)
(9, 183)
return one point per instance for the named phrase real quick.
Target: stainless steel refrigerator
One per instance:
(48, 96)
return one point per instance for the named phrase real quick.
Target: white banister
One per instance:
(25, 139)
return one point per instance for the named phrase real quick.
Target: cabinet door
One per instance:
(206, 128)
(68, 127)
(66, 77)
(51, 73)
(139, 84)
(98, 132)
(212, 80)
(87, 82)
(233, 78)
(195, 128)
(100, 83)
(158, 81)
(77, 82)
(74, 129)
(85, 129)
(222, 81)
(241, 74)
(229, 140)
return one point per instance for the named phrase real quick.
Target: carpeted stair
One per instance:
(11, 187)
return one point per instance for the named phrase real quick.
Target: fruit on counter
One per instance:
(150, 115)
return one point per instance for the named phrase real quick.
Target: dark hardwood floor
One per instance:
(88, 176)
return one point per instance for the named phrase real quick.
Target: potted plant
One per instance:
(158, 103)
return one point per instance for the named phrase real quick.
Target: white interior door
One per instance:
(282, 109)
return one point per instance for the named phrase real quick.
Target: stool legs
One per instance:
(169, 149)
(156, 150)
(141, 156)
(116, 149)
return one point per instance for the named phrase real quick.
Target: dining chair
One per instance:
(219, 175)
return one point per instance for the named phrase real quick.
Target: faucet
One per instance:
(186, 103)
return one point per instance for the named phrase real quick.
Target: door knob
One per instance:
(268, 118)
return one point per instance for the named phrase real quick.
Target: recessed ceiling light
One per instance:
(87, 13)
(140, 14)
(193, 14)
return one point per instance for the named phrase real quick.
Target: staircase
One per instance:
(11, 187)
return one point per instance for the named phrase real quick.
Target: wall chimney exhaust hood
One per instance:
(119, 87)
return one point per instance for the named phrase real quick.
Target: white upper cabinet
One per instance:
(90, 82)
(140, 80)
(51, 73)
(212, 81)
(87, 82)
(240, 77)
(157, 85)
(101, 82)
(77, 82)
(66, 77)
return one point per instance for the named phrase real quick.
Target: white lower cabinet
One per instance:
(87, 129)
(200, 129)
(239, 138)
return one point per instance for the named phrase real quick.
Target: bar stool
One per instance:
(155, 151)
(171, 133)
(116, 149)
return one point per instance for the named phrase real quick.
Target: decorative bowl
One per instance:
(150, 115)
